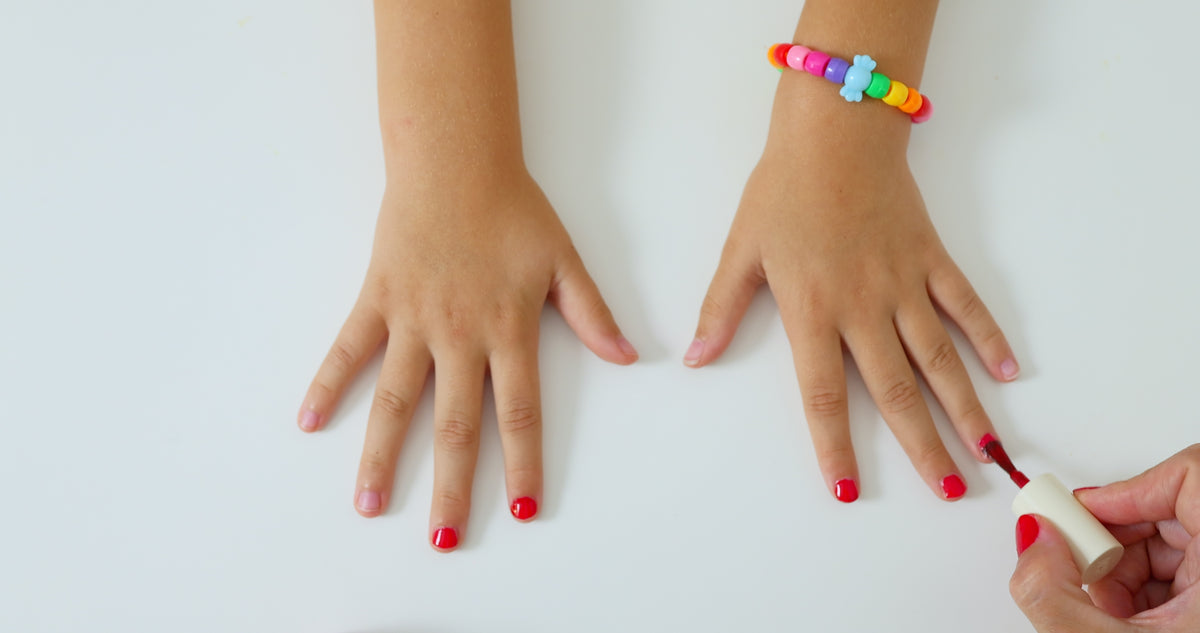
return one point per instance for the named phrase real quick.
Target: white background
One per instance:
(188, 193)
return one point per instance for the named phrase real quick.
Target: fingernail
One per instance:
(1009, 369)
(1079, 490)
(309, 420)
(953, 486)
(445, 538)
(626, 346)
(1027, 532)
(845, 490)
(692, 357)
(987, 438)
(368, 501)
(524, 508)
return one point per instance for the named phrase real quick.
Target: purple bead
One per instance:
(836, 70)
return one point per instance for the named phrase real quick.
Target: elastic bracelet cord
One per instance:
(857, 79)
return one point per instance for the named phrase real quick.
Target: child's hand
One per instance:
(460, 271)
(1155, 587)
(832, 220)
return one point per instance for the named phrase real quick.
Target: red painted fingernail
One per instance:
(953, 486)
(987, 438)
(445, 538)
(524, 508)
(845, 490)
(1079, 490)
(1027, 532)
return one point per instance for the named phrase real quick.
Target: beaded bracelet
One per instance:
(856, 79)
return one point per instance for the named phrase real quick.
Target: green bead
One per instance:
(879, 86)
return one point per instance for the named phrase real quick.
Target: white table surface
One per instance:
(187, 198)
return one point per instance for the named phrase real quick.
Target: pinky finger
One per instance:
(949, 288)
(355, 344)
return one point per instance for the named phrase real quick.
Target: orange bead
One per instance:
(912, 103)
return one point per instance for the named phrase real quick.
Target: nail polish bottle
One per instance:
(1095, 550)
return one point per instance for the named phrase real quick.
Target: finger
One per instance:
(575, 295)
(954, 294)
(817, 353)
(1167, 491)
(355, 344)
(893, 386)
(405, 368)
(519, 414)
(1046, 585)
(930, 347)
(729, 295)
(456, 411)
(1116, 593)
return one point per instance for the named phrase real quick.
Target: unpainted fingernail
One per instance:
(445, 538)
(309, 420)
(368, 501)
(692, 357)
(953, 487)
(626, 346)
(1009, 369)
(1027, 532)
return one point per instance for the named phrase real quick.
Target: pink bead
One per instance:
(924, 112)
(815, 63)
(795, 57)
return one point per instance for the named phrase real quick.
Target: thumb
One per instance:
(728, 297)
(575, 295)
(1048, 587)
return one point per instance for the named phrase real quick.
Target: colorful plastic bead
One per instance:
(796, 55)
(924, 112)
(857, 78)
(912, 103)
(836, 70)
(771, 56)
(781, 55)
(815, 63)
(896, 94)
(879, 85)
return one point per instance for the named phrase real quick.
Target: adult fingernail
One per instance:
(1079, 490)
(953, 486)
(368, 501)
(626, 346)
(692, 357)
(1009, 369)
(1027, 532)
(445, 538)
(523, 509)
(845, 490)
(309, 420)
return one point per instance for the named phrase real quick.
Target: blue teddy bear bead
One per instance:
(858, 77)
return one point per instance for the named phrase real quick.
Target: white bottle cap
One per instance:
(1095, 550)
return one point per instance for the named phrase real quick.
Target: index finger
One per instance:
(1170, 490)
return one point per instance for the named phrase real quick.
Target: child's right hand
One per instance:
(462, 264)
(1155, 587)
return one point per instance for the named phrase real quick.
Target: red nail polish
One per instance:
(445, 538)
(953, 486)
(524, 508)
(1079, 490)
(988, 438)
(1027, 532)
(845, 490)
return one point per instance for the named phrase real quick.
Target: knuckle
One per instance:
(929, 451)
(342, 356)
(971, 305)
(835, 455)
(901, 396)
(943, 357)
(373, 467)
(711, 308)
(827, 402)
(973, 413)
(391, 403)
(455, 433)
(1027, 588)
(448, 498)
(520, 416)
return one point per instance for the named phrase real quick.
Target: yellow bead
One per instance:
(896, 95)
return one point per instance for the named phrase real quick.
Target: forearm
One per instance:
(447, 87)
(894, 33)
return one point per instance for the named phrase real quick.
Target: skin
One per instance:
(467, 251)
(1155, 587)
(832, 220)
